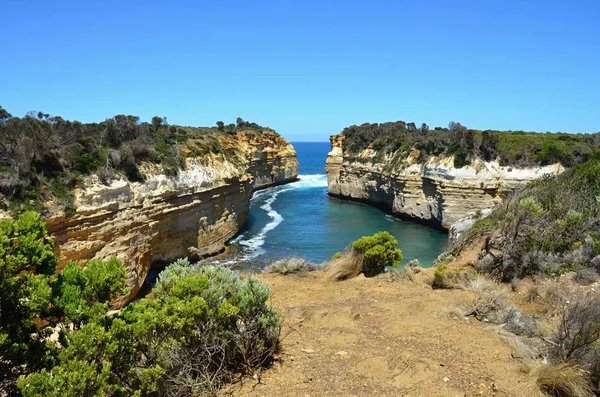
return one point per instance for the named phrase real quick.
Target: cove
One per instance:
(300, 219)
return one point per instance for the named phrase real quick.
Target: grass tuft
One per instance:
(562, 380)
(291, 266)
(349, 265)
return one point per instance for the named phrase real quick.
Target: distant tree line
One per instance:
(240, 124)
(517, 148)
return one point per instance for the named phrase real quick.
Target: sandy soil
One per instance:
(366, 337)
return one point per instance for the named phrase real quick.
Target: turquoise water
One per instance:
(300, 219)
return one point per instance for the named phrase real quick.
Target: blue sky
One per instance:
(307, 68)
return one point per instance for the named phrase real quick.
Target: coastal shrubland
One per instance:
(396, 140)
(369, 255)
(43, 157)
(35, 303)
(548, 227)
(200, 327)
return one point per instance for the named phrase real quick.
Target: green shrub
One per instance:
(379, 250)
(83, 293)
(85, 163)
(200, 327)
(29, 292)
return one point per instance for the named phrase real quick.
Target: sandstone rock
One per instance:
(165, 218)
(434, 191)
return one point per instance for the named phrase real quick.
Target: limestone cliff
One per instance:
(434, 191)
(164, 218)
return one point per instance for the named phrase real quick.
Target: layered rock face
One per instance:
(434, 192)
(165, 218)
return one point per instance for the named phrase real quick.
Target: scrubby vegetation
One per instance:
(549, 227)
(406, 273)
(201, 326)
(33, 299)
(369, 255)
(517, 148)
(291, 266)
(44, 156)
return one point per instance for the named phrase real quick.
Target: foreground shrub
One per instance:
(31, 295)
(576, 339)
(379, 250)
(201, 327)
(291, 266)
(369, 255)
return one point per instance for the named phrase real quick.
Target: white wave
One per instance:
(255, 243)
(310, 181)
(253, 246)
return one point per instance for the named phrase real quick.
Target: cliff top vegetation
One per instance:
(44, 156)
(510, 148)
(548, 227)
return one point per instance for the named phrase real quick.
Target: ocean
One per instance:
(300, 219)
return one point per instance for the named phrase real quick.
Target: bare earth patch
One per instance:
(368, 336)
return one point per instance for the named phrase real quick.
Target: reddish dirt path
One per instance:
(366, 337)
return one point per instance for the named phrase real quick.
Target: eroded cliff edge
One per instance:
(433, 191)
(167, 217)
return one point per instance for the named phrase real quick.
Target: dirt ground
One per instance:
(373, 337)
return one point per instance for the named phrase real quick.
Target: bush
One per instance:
(82, 293)
(549, 227)
(369, 255)
(379, 250)
(200, 327)
(443, 278)
(290, 266)
(586, 275)
(576, 339)
(30, 294)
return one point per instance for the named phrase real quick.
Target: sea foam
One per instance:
(253, 246)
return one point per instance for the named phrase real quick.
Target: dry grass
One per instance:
(562, 380)
(524, 349)
(489, 302)
(444, 278)
(347, 266)
(555, 293)
(404, 274)
(290, 266)
(479, 283)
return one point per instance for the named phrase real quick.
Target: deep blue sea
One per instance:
(299, 219)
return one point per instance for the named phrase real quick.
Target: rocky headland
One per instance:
(191, 214)
(433, 191)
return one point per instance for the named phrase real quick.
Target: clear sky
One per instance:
(307, 68)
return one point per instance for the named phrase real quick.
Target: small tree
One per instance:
(220, 125)
(379, 250)
(157, 122)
